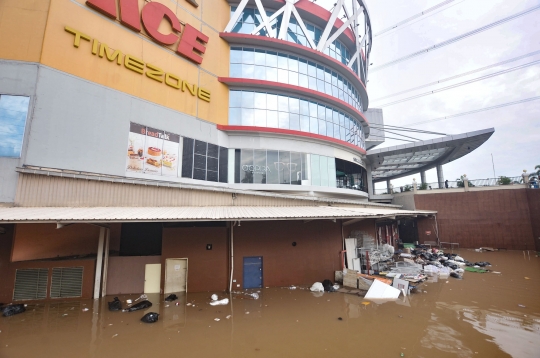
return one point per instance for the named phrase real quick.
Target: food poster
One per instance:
(171, 147)
(136, 148)
(153, 152)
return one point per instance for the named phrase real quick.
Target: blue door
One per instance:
(253, 273)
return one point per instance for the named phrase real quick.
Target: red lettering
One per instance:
(106, 7)
(189, 43)
(129, 14)
(152, 15)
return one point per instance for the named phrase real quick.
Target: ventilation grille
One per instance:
(66, 282)
(30, 284)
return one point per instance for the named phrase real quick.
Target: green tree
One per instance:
(504, 180)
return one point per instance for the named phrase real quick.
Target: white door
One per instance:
(175, 275)
(152, 278)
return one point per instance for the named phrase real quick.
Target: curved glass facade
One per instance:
(251, 19)
(273, 66)
(261, 109)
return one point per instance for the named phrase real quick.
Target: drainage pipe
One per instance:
(232, 256)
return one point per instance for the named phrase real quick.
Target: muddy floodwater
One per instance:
(483, 315)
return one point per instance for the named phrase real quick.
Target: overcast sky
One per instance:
(515, 145)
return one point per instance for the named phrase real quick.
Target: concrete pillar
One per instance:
(440, 176)
(99, 262)
(105, 263)
(525, 176)
(370, 183)
(388, 187)
(423, 177)
(414, 185)
(465, 182)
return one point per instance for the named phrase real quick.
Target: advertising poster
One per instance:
(171, 147)
(136, 147)
(153, 152)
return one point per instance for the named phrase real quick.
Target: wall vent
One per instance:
(66, 282)
(30, 284)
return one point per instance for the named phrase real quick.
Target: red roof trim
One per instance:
(292, 88)
(228, 128)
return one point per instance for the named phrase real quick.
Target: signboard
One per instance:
(428, 233)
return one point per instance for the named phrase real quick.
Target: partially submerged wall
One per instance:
(533, 197)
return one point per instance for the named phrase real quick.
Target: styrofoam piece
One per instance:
(380, 290)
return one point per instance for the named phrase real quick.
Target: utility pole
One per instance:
(493, 163)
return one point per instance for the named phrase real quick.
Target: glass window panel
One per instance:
(303, 67)
(327, 75)
(320, 85)
(341, 119)
(322, 127)
(293, 64)
(248, 71)
(272, 176)
(312, 83)
(282, 61)
(320, 72)
(313, 108)
(235, 99)
(324, 170)
(331, 172)
(212, 164)
(260, 118)
(283, 76)
(329, 129)
(304, 107)
(200, 147)
(334, 79)
(187, 157)
(213, 151)
(260, 100)
(260, 56)
(271, 59)
(259, 167)
(211, 175)
(329, 114)
(199, 162)
(260, 73)
(237, 166)
(223, 164)
(271, 74)
(283, 103)
(293, 78)
(246, 167)
(336, 131)
(342, 133)
(305, 175)
(328, 88)
(236, 70)
(312, 69)
(248, 56)
(294, 105)
(272, 119)
(199, 174)
(296, 168)
(271, 101)
(283, 120)
(304, 123)
(236, 55)
(294, 121)
(235, 116)
(303, 81)
(283, 167)
(315, 170)
(247, 116)
(321, 111)
(313, 125)
(247, 99)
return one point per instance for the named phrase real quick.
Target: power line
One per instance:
(404, 140)
(457, 38)
(477, 111)
(404, 129)
(460, 75)
(433, 8)
(460, 84)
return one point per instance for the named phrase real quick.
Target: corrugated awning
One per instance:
(209, 213)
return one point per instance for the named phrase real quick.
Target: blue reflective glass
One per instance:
(304, 123)
(272, 102)
(313, 125)
(283, 120)
(248, 56)
(259, 119)
(247, 99)
(236, 54)
(247, 116)
(282, 61)
(235, 116)
(260, 57)
(236, 70)
(259, 100)
(283, 103)
(294, 105)
(235, 99)
(304, 107)
(272, 119)
(294, 121)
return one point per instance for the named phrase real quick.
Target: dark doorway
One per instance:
(408, 231)
(141, 239)
(253, 273)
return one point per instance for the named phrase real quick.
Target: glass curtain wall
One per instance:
(247, 108)
(270, 167)
(350, 175)
(204, 161)
(273, 66)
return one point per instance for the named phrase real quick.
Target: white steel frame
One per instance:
(351, 20)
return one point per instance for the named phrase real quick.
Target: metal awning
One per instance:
(208, 213)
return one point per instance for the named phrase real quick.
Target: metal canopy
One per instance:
(402, 160)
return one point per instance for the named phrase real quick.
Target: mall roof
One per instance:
(209, 213)
(402, 160)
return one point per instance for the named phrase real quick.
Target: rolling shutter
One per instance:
(66, 282)
(30, 284)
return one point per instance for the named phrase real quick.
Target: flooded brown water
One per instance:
(479, 316)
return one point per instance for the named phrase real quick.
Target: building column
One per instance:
(99, 262)
(423, 177)
(105, 263)
(440, 176)
(370, 183)
(388, 187)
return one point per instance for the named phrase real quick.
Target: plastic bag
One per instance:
(171, 297)
(138, 306)
(151, 317)
(328, 286)
(115, 305)
(11, 310)
(220, 302)
(317, 287)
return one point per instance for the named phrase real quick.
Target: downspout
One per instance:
(232, 256)
(437, 230)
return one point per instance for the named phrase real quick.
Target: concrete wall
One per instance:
(493, 218)
(6, 242)
(126, 274)
(533, 198)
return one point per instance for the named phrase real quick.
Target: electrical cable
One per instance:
(457, 38)
(405, 140)
(476, 111)
(458, 76)
(405, 129)
(459, 84)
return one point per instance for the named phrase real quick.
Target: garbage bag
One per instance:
(220, 302)
(138, 306)
(455, 275)
(328, 286)
(171, 297)
(11, 310)
(115, 305)
(151, 317)
(317, 287)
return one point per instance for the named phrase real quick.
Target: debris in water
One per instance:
(189, 304)
(114, 335)
(527, 278)
(151, 317)
(115, 305)
(247, 312)
(218, 303)
(229, 316)
(214, 297)
(171, 297)
(85, 309)
(365, 303)
(216, 319)
(340, 319)
(523, 306)
(292, 288)
(138, 306)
